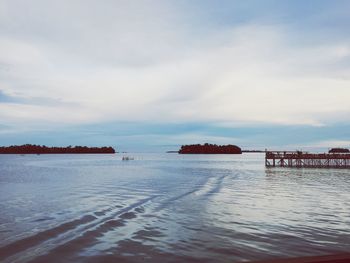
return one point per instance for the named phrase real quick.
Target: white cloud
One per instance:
(141, 62)
(17, 114)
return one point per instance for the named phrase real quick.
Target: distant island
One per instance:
(210, 149)
(38, 149)
(339, 150)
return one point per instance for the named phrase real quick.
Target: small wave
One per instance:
(34, 240)
(43, 219)
(85, 228)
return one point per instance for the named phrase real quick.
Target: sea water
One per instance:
(168, 208)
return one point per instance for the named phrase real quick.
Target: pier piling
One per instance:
(300, 159)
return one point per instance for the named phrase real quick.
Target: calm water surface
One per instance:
(168, 208)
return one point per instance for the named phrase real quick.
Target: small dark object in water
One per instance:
(127, 158)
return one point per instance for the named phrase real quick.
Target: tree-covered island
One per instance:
(38, 149)
(210, 149)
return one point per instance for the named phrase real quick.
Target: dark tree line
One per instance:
(339, 150)
(38, 149)
(210, 149)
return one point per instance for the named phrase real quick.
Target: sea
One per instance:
(168, 208)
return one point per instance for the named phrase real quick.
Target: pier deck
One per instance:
(300, 159)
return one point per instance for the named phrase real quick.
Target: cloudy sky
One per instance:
(145, 75)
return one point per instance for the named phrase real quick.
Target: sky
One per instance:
(152, 75)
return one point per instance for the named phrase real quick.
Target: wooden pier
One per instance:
(300, 159)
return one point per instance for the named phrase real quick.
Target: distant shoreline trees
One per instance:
(339, 150)
(38, 149)
(210, 149)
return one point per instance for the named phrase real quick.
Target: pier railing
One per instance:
(306, 160)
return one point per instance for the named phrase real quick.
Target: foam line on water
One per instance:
(87, 237)
(40, 237)
(211, 186)
(62, 233)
